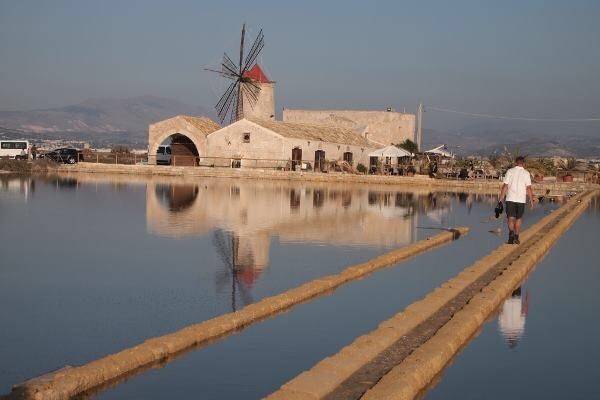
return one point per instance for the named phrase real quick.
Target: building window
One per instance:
(348, 157)
(247, 137)
(236, 163)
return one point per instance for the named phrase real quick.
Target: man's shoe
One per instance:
(511, 237)
(517, 241)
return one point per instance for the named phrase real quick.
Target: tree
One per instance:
(409, 145)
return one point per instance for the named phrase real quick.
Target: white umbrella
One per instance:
(390, 151)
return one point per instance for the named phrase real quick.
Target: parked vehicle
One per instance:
(17, 149)
(163, 155)
(64, 155)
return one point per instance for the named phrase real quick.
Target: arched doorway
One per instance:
(183, 151)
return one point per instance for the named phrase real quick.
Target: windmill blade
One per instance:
(251, 94)
(236, 112)
(222, 73)
(257, 46)
(223, 98)
(255, 50)
(222, 280)
(229, 65)
(244, 293)
(221, 243)
(255, 87)
(242, 46)
(231, 93)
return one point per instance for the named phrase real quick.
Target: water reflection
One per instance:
(176, 197)
(243, 262)
(243, 216)
(16, 187)
(511, 321)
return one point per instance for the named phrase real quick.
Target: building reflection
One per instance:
(243, 216)
(511, 321)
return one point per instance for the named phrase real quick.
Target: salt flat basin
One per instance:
(542, 342)
(93, 264)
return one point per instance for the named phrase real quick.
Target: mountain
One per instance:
(118, 120)
(487, 139)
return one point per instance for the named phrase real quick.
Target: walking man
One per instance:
(516, 188)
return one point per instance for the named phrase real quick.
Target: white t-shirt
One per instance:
(517, 179)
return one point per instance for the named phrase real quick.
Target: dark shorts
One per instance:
(515, 210)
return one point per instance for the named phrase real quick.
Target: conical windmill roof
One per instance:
(257, 74)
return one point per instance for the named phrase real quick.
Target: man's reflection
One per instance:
(511, 321)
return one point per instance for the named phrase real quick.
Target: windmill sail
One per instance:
(243, 87)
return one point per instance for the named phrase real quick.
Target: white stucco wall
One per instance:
(264, 108)
(229, 143)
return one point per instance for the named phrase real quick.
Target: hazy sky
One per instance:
(533, 58)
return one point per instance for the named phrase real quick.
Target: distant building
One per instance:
(382, 127)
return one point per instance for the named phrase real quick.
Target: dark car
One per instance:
(65, 155)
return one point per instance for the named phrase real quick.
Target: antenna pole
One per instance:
(420, 125)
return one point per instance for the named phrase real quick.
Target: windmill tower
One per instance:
(264, 107)
(250, 93)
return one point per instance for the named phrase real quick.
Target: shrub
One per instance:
(409, 145)
(361, 168)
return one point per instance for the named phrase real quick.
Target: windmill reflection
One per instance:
(242, 264)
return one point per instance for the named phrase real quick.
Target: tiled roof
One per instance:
(203, 124)
(322, 133)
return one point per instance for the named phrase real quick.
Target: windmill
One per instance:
(242, 87)
(227, 245)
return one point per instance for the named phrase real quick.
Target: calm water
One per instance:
(543, 342)
(94, 264)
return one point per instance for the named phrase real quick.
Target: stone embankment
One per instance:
(71, 381)
(401, 357)
(491, 186)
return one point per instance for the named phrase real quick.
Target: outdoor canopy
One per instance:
(440, 150)
(390, 151)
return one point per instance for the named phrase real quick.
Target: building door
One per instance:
(348, 157)
(319, 160)
(296, 157)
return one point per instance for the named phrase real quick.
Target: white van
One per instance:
(163, 155)
(17, 149)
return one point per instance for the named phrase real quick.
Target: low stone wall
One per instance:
(347, 374)
(418, 180)
(71, 381)
(409, 378)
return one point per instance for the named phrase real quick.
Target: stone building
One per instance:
(304, 137)
(187, 135)
(268, 142)
(382, 127)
